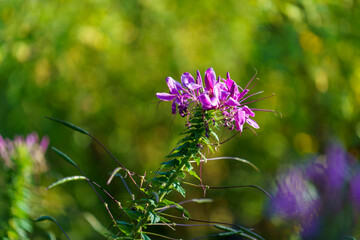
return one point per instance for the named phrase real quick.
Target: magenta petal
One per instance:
(187, 79)
(214, 101)
(210, 79)
(224, 95)
(231, 102)
(252, 123)
(194, 86)
(173, 85)
(248, 111)
(165, 96)
(198, 78)
(242, 94)
(173, 108)
(205, 101)
(239, 120)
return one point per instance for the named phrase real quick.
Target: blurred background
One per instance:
(99, 64)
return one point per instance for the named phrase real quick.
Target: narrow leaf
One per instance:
(42, 218)
(69, 125)
(64, 156)
(65, 180)
(202, 200)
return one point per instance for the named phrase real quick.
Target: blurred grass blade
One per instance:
(64, 156)
(67, 179)
(42, 218)
(67, 124)
(96, 225)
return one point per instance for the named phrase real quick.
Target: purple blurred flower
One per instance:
(295, 198)
(324, 193)
(8, 150)
(217, 94)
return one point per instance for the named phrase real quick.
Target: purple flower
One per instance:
(219, 94)
(8, 150)
(295, 199)
(322, 194)
(177, 94)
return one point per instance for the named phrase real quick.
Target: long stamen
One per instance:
(251, 95)
(257, 80)
(273, 94)
(267, 110)
(251, 79)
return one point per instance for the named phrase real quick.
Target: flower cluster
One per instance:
(217, 94)
(8, 149)
(324, 193)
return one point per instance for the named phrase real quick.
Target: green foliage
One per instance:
(99, 63)
(20, 161)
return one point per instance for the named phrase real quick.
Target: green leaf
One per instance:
(125, 227)
(178, 188)
(167, 174)
(171, 163)
(144, 236)
(64, 156)
(160, 180)
(134, 215)
(69, 125)
(154, 218)
(42, 218)
(197, 160)
(202, 200)
(182, 210)
(225, 228)
(215, 135)
(65, 180)
(194, 174)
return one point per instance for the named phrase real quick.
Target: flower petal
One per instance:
(165, 96)
(198, 78)
(232, 102)
(205, 101)
(239, 118)
(248, 111)
(187, 79)
(210, 79)
(252, 123)
(173, 85)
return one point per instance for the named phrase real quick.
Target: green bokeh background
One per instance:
(98, 64)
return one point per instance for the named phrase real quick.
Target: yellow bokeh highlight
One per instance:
(355, 83)
(21, 51)
(310, 42)
(91, 37)
(321, 80)
(304, 143)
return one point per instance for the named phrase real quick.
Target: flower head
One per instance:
(217, 94)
